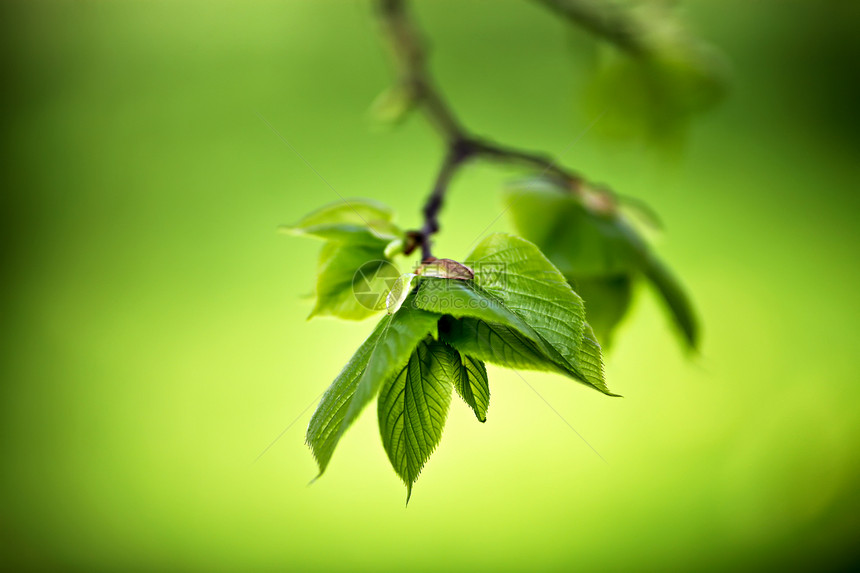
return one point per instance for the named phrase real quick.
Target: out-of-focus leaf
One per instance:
(655, 93)
(381, 356)
(588, 238)
(581, 237)
(351, 211)
(393, 105)
(656, 75)
(393, 248)
(637, 210)
(675, 298)
(379, 236)
(413, 407)
(607, 300)
(353, 221)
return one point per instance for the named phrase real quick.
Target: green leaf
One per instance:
(393, 248)
(357, 232)
(515, 272)
(384, 352)
(336, 275)
(394, 104)
(378, 235)
(656, 88)
(473, 386)
(465, 298)
(582, 237)
(589, 359)
(353, 222)
(324, 428)
(400, 289)
(607, 300)
(675, 298)
(349, 211)
(413, 407)
(498, 344)
(654, 98)
(459, 298)
(599, 252)
(523, 292)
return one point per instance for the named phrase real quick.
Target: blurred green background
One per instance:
(154, 334)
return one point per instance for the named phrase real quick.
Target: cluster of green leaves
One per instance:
(356, 232)
(512, 308)
(589, 239)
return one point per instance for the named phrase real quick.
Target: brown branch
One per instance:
(544, 163)
(458, 154)
(605, 19)
(410, 58)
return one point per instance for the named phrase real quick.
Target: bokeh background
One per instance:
(154, 333)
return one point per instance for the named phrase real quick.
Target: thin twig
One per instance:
(457, 154)
(546, 164)
(606, 19)
(410, 58)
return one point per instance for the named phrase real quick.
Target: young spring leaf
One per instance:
(413, 407)
(654, 98)
(349, 211)
(530, 349)
(394, 104)
(398, 293)
(521, 291)
(349, 234)
(352, 222)
(675, 298)
(464, 298)
(582, 237)
(473, 386)
(336, 274)
(655, 89)
(359, 236)
(589, 359)
(384, 352)
(495, 343)
(500, 344)
(607, 300)
(515, 272)
(598, 251)
(324, 428)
